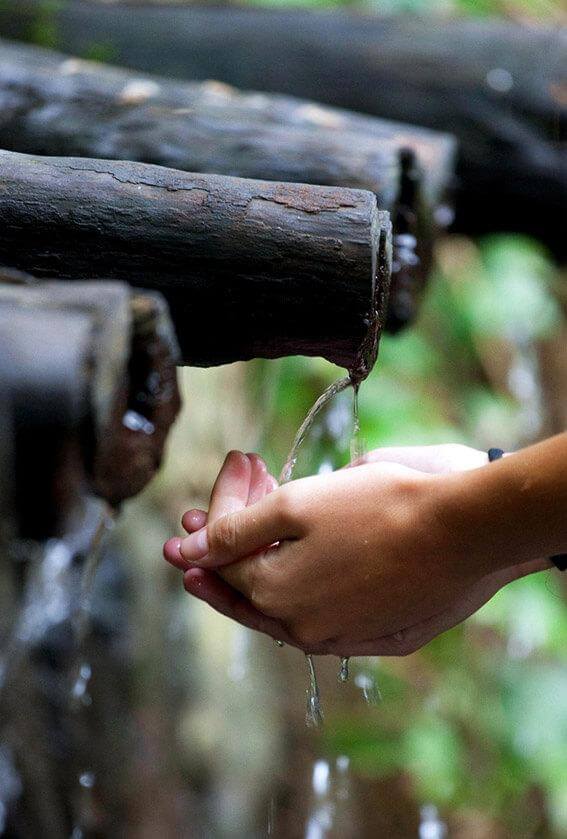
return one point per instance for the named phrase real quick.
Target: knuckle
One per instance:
(223, 536)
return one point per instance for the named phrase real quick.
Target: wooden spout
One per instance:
(249, 268)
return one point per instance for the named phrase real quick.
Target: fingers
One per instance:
(208, 586)
(259, 479)
(171, 553)
(232, 486)
(241, 534)
(194, 520)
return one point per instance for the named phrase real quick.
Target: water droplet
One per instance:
(136, 422)
(321, 778)
(500, 80)
(430, 825)
(87, 780)
(370, 690)
(444, 215)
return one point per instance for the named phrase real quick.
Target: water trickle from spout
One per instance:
(356, 444)
(90, 567)
(327, 395)
(343, 672)
(314, 714)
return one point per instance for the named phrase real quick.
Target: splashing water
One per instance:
(430, 825)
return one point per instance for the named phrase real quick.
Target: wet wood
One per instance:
(58, 105)
(88, 376)
(249, 268)
(497, 85)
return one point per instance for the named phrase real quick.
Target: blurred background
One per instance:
(469, 737)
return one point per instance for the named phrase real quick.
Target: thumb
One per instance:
(240, 534)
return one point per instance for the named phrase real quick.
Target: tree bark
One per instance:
(249, 268)
(56, 105)
(496, 85)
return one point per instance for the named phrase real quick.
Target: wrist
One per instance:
(501, 515)
(476, 532)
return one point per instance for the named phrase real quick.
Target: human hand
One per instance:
(243, 480)
(323, 583)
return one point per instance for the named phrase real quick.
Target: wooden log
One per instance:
(56, 105)
(249, 268)
(496, 84)
(89, 377)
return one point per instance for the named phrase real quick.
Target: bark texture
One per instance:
(88, 378)
(497, 85)
(56, 105)
(249, 268)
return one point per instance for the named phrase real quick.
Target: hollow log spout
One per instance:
(87, 375)
(57, 105)
(497, 85)
(249, 268)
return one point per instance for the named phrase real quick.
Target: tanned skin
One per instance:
(376, 559)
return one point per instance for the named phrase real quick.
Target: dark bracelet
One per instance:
(559, 560)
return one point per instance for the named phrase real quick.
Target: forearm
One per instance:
(511, 511)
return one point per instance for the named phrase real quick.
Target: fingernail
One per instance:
(195, 546)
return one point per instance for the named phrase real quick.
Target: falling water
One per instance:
(321, 818)
(356, 451)
(367, 683)
(356, 445)
(333, 811)
(90, 566)
(314, 714)
(430, 825)
(10, 785)
(343, 672)
(326, 397)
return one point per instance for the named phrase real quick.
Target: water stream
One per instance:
(56, 595)
(327, 396)
(314, 714)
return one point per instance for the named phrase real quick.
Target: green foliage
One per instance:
(478, 719)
